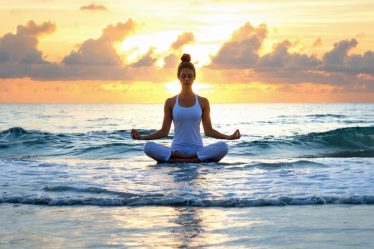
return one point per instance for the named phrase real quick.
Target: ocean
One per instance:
(301, 176)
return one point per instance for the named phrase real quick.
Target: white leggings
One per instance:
(210, 153)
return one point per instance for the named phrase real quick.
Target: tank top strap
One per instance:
(197, 103)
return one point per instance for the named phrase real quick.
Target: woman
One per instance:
(186, 110)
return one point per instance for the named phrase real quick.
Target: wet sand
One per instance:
(323, 226)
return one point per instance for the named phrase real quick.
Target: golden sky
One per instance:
(245, 51)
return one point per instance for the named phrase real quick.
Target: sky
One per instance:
(253, 51)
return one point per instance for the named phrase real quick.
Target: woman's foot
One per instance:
(178, 155)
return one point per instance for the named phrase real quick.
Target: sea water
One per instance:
(71, 160)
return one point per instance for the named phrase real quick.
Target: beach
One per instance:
(333, 226)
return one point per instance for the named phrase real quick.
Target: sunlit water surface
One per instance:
(79, 168)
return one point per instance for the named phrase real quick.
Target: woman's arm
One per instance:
(207, 125)
(166, 124)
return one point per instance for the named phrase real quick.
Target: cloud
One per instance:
(241, 50)
(94, 59)
(317, 42)
(338, 60)
(101, 51)
(238, 59)
(147, 60)
(281, 58)
(171, 61)
(93, 7)
(182, 40)
(338, 53)
(239, 56)
(22, 47)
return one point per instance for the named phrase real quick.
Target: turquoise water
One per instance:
(81, 157)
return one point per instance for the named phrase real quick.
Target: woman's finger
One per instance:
(237, 134)
(133, 134)
(137, 135)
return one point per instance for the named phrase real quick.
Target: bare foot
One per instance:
(179, 155)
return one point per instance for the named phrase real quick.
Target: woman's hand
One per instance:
(235, 135)
(135, 135)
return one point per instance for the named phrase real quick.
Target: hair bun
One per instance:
(186, 57)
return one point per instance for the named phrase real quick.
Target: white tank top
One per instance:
(187, 125)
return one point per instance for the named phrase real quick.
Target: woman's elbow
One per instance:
(164, 133)
(208, 132)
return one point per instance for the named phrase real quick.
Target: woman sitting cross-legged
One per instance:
(186, 110)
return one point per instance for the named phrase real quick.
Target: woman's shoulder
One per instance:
(203, 101)
(201, 98)
(171, 101)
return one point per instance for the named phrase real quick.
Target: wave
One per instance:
(137, 200)
(326, 116)
(314, 116)
(343, 142)
(277, 165)
(18, 132)
(356, 153)
(18, 143)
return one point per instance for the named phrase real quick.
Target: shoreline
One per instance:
(323, 226)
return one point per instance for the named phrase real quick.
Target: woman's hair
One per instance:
(185, 63)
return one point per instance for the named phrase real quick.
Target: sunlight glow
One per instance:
(311, 28)
(160, 63)
(135, 47)
(199, 54)
(161, 40)
(199, 88)
(173, 87)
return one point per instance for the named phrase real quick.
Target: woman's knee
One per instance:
(223, 147)
(214, 152)
(157, 151)
(148, 146)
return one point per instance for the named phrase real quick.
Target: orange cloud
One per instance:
(93, 7)
(171, 61)
(317, 42)
(241, 50)
(237, 60)
(183, 39)
(22, 47)
(147, 60)
(101, 51)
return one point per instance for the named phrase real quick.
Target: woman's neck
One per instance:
(187, 91)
